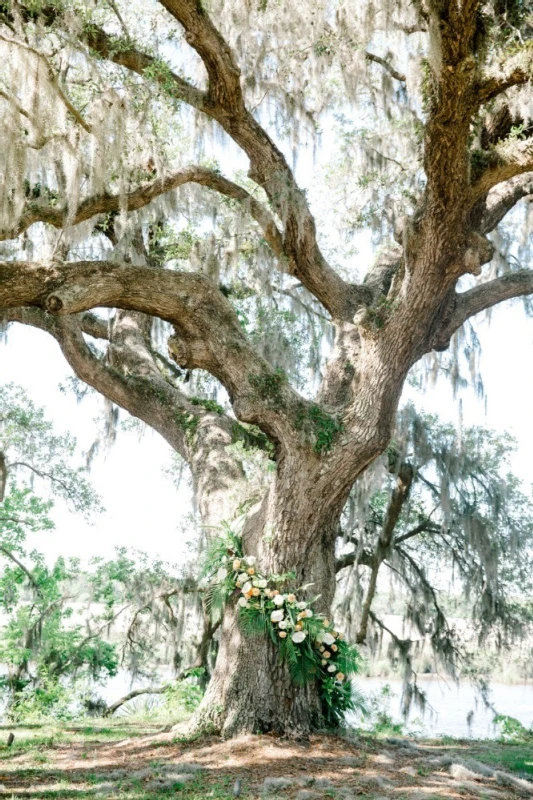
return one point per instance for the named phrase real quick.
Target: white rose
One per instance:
(279, 599)
(246, 588)
(276, 616)
(222, 574)
(262, 583)
(243, 577)
(283, 624)
(308, 613)
(327, 638)
(332, 668)
(298, 637)
(250, 560)
(242, 602)
(301, 606)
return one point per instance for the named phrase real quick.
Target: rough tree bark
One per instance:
(407, 306)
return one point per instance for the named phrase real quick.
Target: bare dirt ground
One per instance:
(134, 762)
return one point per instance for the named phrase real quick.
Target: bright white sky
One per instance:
(143, 507)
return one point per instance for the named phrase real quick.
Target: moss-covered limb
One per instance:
(319, 424)
(252, 438)
(269, 387)
(187, 421)
(209, 405)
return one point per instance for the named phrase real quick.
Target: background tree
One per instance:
(109, 109)
(65, 625)
(38, 645)
(448, 524)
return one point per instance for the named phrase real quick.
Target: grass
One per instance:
(127, 758)
(510, 757)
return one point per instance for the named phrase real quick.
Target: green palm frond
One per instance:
(253, 621)
(226, 544)
(215, 601)
(348, 659)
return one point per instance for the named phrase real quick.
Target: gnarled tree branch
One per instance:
(43, 211)
(510, 158)
(208, 332)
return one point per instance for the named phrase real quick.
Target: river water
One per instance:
(457, 709)
(453, 710)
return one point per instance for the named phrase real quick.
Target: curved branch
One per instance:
(20, 565)
(41, 474)
(208, 332)
(399, 76)
(224, 103)
(486, 295)
(106, 203)
(94, 326)
(122, 52)
(53, 81)
(502, 198)
(515, 71)
(159, 405)
(510, 158)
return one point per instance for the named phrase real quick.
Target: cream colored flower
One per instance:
(326, 654)
(262, 583)
(323, 662)
(242, 602)
(250, 560)
(243, 577)
(236, 564)
(339, 676)
(279, 599)
(276, 616)
(246, 588)
(302, 615)
(326, 623)
(251, 571)
(222, 574)
(334, 648)
(298, 637)
(332, 668)
(328, 638)
(291, 598)
(283, 634)
(274, 592)
(283, 624)
(267, 592)
(256, 592)
(308, 613)
(298, 626)
(301, 605)
(321, 648)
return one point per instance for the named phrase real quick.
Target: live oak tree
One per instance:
(109, 108)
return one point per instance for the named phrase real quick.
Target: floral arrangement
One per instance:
(308, 642)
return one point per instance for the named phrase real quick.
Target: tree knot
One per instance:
(53, 304)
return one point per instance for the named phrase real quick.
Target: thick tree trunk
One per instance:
(250, 690)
